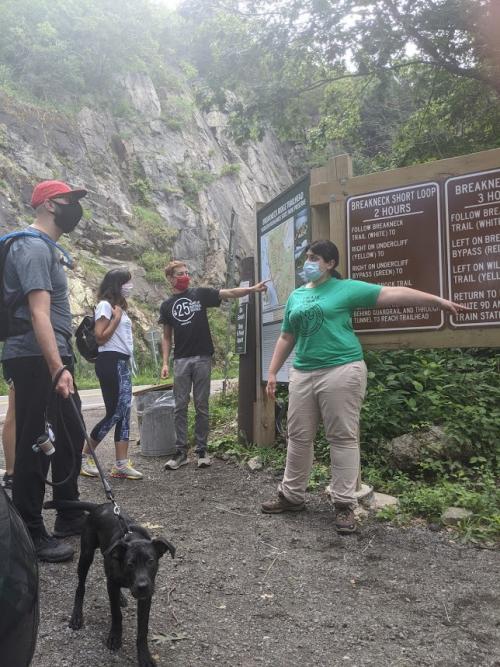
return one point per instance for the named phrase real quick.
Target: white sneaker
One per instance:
(89, 468)
(178, 460)
(125, 472)
(203, 459)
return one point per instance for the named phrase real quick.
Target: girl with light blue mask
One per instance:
(329, 375)
(317, 269)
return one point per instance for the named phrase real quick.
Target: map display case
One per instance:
(283, 232)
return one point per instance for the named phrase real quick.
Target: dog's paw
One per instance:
(114, 641)
(76, 620)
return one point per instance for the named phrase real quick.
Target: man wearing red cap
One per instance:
(38, 347)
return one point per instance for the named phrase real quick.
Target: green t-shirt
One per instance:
(320, 320)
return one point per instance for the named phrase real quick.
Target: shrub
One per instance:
(154, 263)
(154, 227)
(230, 169)
(458, 389)
(192, 182)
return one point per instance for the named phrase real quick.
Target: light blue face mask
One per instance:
(311, 271)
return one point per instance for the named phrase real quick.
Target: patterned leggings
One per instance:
(113, 372)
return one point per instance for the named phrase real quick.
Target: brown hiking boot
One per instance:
(344, 518)
(281, 504)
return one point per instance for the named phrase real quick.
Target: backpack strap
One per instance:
(66, 257)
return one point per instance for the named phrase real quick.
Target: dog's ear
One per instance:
(161, 545)
(118, 550)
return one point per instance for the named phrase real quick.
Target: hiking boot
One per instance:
(7, 480)
(126, 472)
(64, 527)
(89, 468)
(281, 504)
(345, 521)
(51, 550)
(180, 459)
(203, 459)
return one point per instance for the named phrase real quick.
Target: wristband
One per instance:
(57, 376)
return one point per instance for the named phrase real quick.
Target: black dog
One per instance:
(130, 561)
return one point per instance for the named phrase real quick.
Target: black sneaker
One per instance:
(203, 459)
(7, 480)
(64, 527)
(180, 459)
(51, 550)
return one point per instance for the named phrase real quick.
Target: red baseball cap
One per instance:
(51, 189)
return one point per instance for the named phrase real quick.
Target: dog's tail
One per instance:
(69, 505)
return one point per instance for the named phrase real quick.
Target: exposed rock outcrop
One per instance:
(161, 184)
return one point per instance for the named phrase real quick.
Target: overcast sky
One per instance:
(171, 4)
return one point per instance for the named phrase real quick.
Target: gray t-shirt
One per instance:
(32, 264)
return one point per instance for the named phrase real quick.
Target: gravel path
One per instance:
(248, 589)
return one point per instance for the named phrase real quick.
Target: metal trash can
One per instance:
(157, 428)
(144, 400)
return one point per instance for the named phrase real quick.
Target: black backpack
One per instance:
(85, 339)
(19, 602)
(6, 312)
(10, 325)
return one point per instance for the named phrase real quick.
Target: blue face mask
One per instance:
(312, 272)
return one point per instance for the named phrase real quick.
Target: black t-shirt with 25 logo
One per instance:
(186, 313)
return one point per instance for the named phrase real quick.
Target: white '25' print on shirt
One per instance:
(184, 309)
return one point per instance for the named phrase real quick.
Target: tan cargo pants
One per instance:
(335, 394)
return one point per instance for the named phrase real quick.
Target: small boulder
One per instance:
(255, 463)
(453, 515)
(381, 500)
(406, 451)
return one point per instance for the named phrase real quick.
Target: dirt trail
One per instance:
(248, 589)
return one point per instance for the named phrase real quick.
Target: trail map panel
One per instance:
(283, 232)
(278, 267)
(473, 247)
(394, 238)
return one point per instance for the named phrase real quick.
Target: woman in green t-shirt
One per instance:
(328, 378)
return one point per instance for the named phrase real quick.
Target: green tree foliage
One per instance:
(393, 82)
(387, 122)
(353, 37)
(63, 50)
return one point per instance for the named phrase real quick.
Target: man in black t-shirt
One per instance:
(184, 315)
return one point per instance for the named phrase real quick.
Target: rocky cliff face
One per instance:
(162, 180)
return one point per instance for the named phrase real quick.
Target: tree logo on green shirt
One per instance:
(309, 321)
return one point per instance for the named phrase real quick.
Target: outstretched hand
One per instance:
(261, 287)
(454, 308)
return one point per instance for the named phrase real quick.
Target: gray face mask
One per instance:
(67, 216)
(126, 289)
